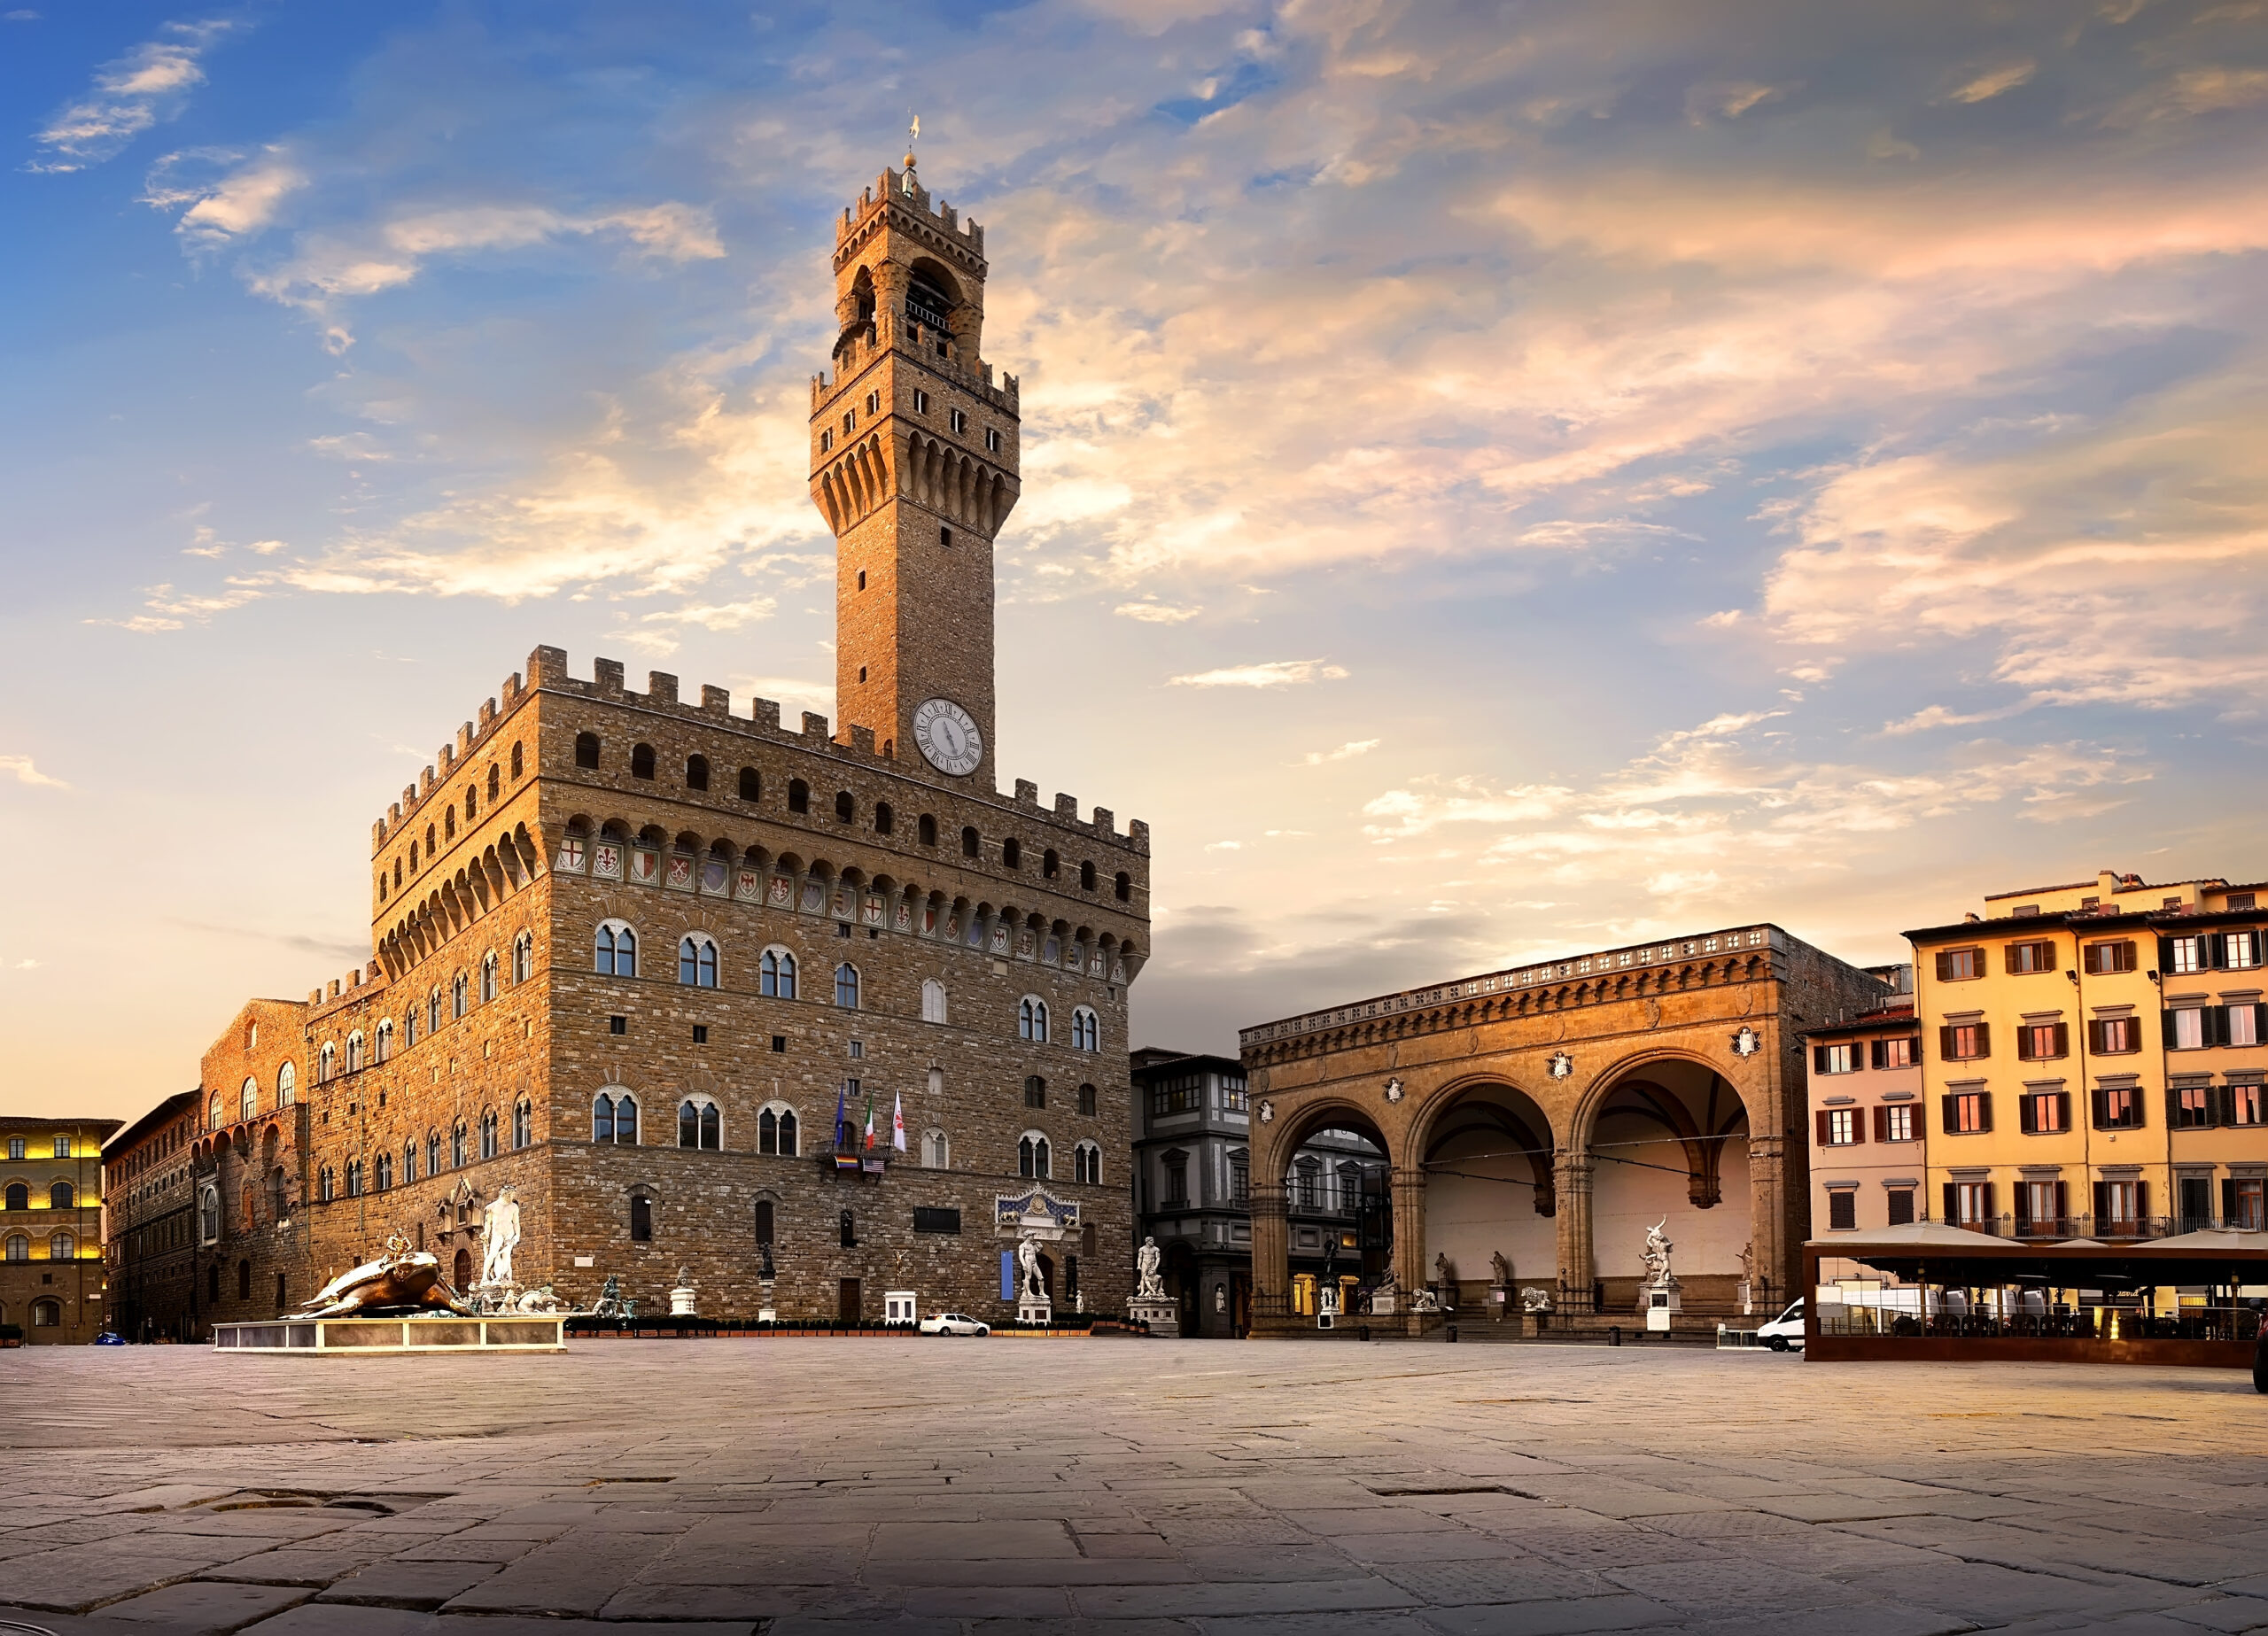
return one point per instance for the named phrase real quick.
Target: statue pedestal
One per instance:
(1163, 1316)
(1382, 1305)
(1035, 1310)
(1499, 1301)
(682, 1301)
(1658, 1302)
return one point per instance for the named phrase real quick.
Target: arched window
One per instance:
(641, 761)
(885, 820)
(1035, 1092)
(19, 1196)
(933, 1000)
(460, 996)
(969, 845)
(495, 781)
(327, 1062)
(382, 1174)
(845, 809)
(799, 795)
(1087, 1100)
(751, 784)
(47, 1312)
(409, 1026)
(617, 949)
(699, 1124)
(471, 805)
(20, 1247)
(586, 750)
(777, 975)
(936, 1150)
(523, 1123)
(488, 1134)
(697, 961)
(614, 1118)
(353, 1064)
(696, 772)
(764, 1221)
(433, 1010)
(323, 1184)
(1031, 1019)
(926, 831)
(385, 1047)
(523, 957)
(456, 1145)
(642, 1219)
(433, 1152)
(488, 977)
(519, 762)
(1086, 1164)
(775, 1130)
(1012, 853)
(208, 1214)
(214, 1121)
(1124, 888)
(248, 1097)
(449, 821)
(846, 986)
(1086, 1029)
(1051, 865)
(1032, 1156)
(61, 1196)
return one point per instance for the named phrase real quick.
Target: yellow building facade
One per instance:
(51, 1227)
(2093, 1060)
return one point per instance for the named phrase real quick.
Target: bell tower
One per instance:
(914, 466)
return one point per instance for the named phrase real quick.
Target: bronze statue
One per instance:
(403, 1281)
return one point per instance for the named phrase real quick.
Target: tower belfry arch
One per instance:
(914, 464)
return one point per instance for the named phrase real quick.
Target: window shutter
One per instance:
(1858, 1126)
(2063, 1039)
(1983, 1039)
(2095, 1037)
(2010, 962)
(1953, 1205)
(2216, 1025)
(2165, 1020)
(2228, 1200)
(2260, 1024)
(2216, 950)
(1944, 966)
(2063, 1206)
(1821, 1119)
(2141, 1201)
(1945, 1042)
(1950, 1115)
(1874, 1053)
(2063, 1109)
(2165, 953)
(1991, 1203)
(1882, 1124)
(2091, 958)
(2172, 1108)
(2220, 1103)
(2102, 1205)
(2101, 1104)
(1984, 1110)
(1819, 1059)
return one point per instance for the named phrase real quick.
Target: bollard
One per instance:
(2260, 1361)
(1452, 1331)
(1614, 1335)
(1363, 1332)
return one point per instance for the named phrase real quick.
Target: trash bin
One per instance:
(1614, 1335)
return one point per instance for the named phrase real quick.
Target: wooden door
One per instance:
(846, 1305)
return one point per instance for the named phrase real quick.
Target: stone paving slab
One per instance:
(1132, 1488)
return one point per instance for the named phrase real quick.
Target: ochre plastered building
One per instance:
(2093, 1059)
(51, 1227)
(1551, 1115)
(632, 951)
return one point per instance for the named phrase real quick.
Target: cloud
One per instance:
(1991, 81)
(2190, 95)
(1156, 612)
(25, 772)
(1345, 752)
(233, 206)
(130, 95)
(1936, 716)
(1274, 673)
(27, 966)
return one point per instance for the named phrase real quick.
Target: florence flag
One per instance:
(898, 1122)
(870, 1119)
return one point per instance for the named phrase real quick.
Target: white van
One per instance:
(1784, 1333)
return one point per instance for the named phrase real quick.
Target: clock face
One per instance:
(948, 736)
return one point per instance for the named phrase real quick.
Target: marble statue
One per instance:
(500, 1235)
(1027, 1278)
(1445, 1273)
(1536, 1298)
(1148, 1260)
(1502, 1269)
(541, 1300)
(402, 1279)
(1657, 1255)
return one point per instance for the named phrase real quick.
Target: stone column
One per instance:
(1768, 1213)
(1272, 1252)
(1571, 1172)
(1409, 1184)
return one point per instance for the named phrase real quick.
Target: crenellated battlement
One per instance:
(861, 349)
(901, 190)
(547, 671)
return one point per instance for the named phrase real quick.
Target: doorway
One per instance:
(846, 1300)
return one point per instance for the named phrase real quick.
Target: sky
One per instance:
(1499, 480)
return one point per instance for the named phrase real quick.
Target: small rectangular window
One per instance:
(2105, 959)
(1902, 1206)
(1960, 965)
(992, 446)
(858, 1049)
(2032, 957)
(1843, 1209)
(778, 1042)
(618, 1025)
(921, 401)
(1969, 1112)
(1898, 1053)
(960, 422)
(2189, 955)
(700, 1034)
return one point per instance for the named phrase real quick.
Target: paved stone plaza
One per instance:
(1125, 1486)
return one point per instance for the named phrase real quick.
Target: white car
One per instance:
(954, 1323)
(1784, 1333)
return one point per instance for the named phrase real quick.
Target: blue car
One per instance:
(108, 1339)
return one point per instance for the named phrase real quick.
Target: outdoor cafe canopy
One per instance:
(1931, 1252)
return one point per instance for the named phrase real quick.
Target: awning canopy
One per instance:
(1931, 1251)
